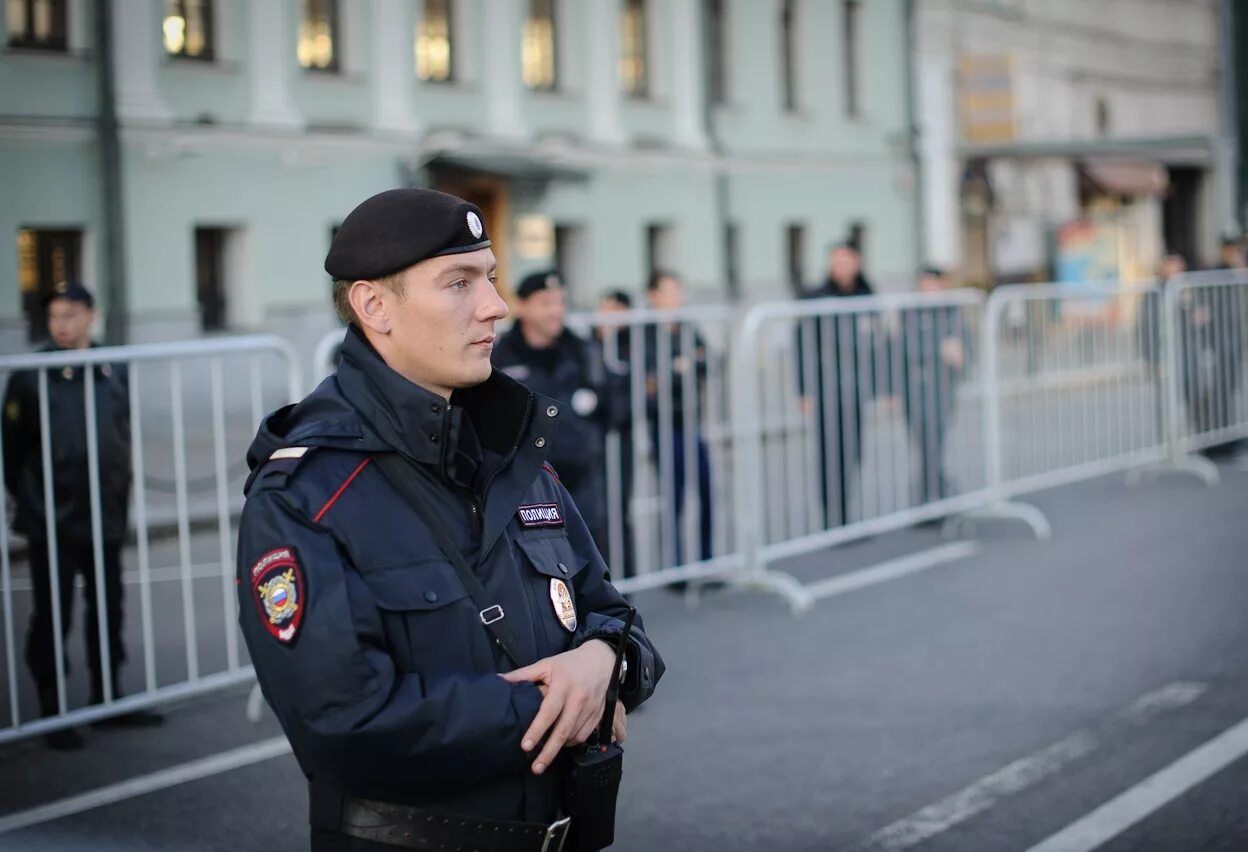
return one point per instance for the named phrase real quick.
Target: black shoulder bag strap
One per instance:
(403, 477)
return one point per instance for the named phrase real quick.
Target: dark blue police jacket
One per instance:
(364, 639)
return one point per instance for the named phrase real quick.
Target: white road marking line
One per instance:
(199, 571)
(927, 822)
(1151, 794)
(892, 569)
(226, 761)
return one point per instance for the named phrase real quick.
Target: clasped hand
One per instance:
(574, 695)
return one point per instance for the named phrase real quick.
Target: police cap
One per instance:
(401, 227)
(534, 282)
(70, 291)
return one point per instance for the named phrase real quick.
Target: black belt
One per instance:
(410, 827)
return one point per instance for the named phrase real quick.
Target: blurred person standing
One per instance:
(545, 356)
(934, 359)
(71, 315)
(834, 392)
(684, 360)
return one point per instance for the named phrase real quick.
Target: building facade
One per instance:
(1073, 140)
(729, 140)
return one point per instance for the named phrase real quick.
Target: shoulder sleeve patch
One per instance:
(280, 592)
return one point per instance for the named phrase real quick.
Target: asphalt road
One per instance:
(1084, 691)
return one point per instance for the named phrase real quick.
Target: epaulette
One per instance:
(278, 468)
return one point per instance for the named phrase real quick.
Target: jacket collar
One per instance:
(419, 424)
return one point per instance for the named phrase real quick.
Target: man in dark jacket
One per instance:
(676, 372)
(426, 611)
(71, 314)
(542, 354)
(934, 343)
(841, 349)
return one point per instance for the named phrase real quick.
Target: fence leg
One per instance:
(1001, 510)
(255, 704)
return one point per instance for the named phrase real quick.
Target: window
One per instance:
(857, 237)
(717, 45)
(38, 24)
(796, 245)
(210, 277)
(634, 74)
(788, 55)
(434, 53)
(188, 29)
(732, 260)
(318, 35)
(849, 52)
(45, 258)
(537, 52)
(660, 248)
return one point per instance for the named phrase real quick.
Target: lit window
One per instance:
(537, 54)
(433, 43)
(633, 71)
(38, 24)
(318, 32)
(188, 28)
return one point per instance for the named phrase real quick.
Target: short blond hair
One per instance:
(342, 294)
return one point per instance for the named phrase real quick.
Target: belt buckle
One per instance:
(557, 829)
(488, 615)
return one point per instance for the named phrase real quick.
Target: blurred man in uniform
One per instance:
(425, 608)
(934, 358)
(676, 371)
(542, 354)
(71, 315)
(841, 348)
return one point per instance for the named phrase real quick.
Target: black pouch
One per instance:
(592, 779)
(590, 789)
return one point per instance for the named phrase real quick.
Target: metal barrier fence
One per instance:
(1207, 315)
(856, 416)
(735, 441)
(130, 407)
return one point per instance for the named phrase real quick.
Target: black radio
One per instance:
(594, 771)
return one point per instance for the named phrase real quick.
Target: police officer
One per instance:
(70, 315)
(426, 611)
(541, 353)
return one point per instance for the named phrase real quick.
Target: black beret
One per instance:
(399, 227)
(547, 279)
(70, 291)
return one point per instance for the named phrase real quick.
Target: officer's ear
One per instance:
(370, 309)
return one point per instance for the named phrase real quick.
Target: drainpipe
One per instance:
(720, 187)
(912, 135)
(112, 224)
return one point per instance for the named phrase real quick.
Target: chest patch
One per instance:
(280, 591)
(540, 515)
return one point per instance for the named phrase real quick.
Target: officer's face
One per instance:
(439, 332)
(929, 283)
(69, 323)
(544, 312)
